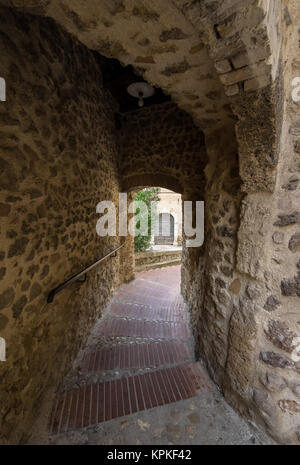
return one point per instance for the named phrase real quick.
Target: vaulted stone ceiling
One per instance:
(202, 53)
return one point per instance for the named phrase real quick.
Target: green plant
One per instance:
(148, 195)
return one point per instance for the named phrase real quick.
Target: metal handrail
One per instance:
(59, 288)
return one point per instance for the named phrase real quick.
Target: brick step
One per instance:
(176, 304)
(131, 356)
(141, 328)
(146, 298)
(148, 313)
(151, 277)
(155, 290)
(172, 278)
(154, 284)
(151, 286)
(96, 403)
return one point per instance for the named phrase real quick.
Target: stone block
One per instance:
(240, 60)
(280, 335)
(291, 287)
(272, 303)
(244, 74)
(292, 184)
(230, 91)
(294, 243)
(278, 237)
(295, 129)
(223, 66)
(272, 382)
(257, 83)
(286, 220)
(275, 360)
(235, 286)
(262, 400)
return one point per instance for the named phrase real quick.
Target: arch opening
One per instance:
(216, 133)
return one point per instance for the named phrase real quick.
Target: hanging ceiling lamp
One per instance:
(140, 90)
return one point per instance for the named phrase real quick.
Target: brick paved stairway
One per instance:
(139, 356)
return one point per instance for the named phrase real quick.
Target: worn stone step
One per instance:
(153, 298)
(134, 356)
(149, 266)
(119, 327)
(168, 313)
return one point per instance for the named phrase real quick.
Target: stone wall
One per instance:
(277, 378)
(222, 207)
(58, 159)
(249, 348)
(159, 144)
(222, 61)
(127, 263)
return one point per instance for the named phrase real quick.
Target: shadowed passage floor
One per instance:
(137, 382)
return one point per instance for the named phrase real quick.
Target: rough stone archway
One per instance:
(221, 61)
(139, 181)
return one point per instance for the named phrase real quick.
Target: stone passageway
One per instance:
(136, 381)
(223, 127)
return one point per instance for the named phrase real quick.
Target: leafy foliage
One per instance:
(148, 195)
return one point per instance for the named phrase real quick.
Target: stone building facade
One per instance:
(229, 136)
(168, 226)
